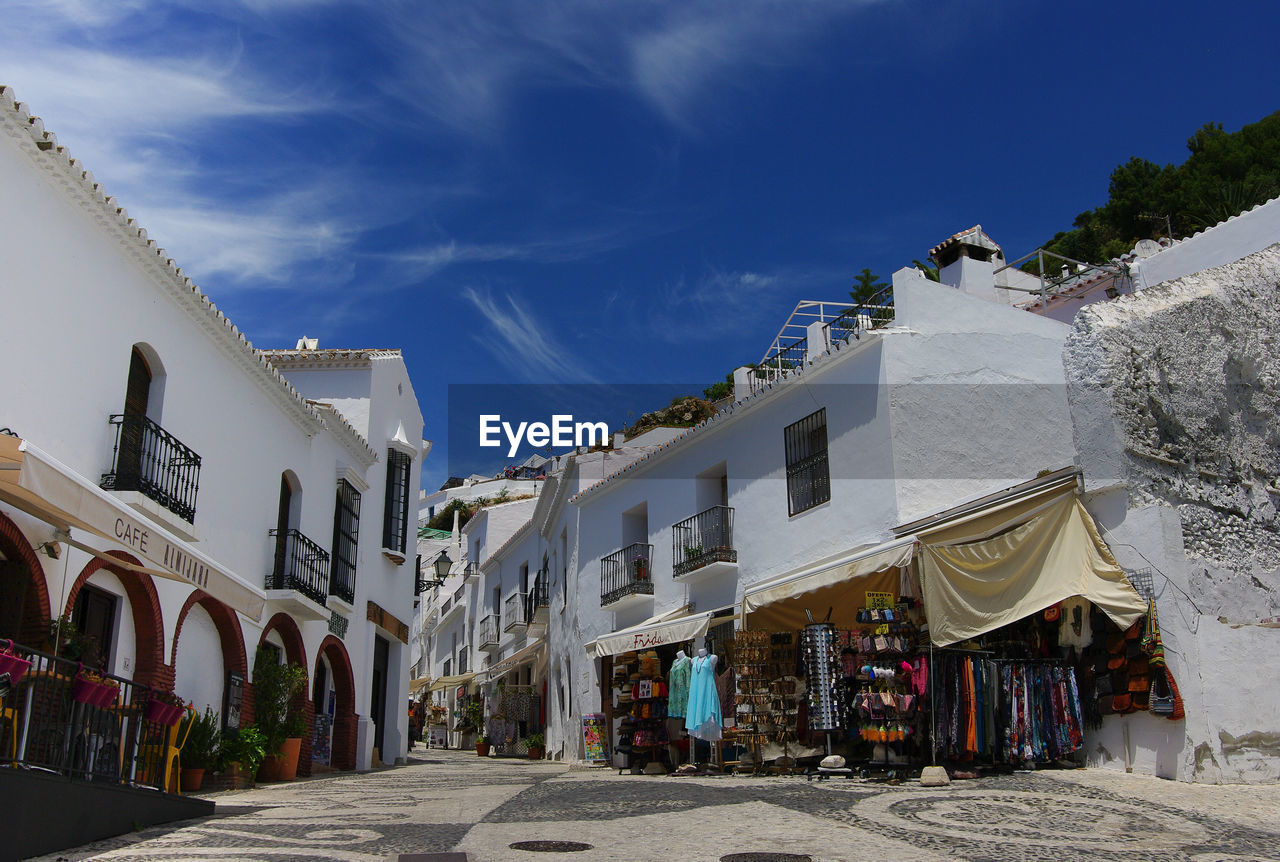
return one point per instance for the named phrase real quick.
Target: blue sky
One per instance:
(568, 192)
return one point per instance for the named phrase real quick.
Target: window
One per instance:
(448, 666)
(395, 515)
(346, 534)
(808, 476)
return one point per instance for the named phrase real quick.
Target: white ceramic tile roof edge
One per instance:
(180, 286)
(351, 439)
(1129, 257)
(821, 364)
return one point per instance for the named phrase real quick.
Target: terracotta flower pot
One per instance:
(535, 752)
(282, 766)
(192, 778)
(482, 749)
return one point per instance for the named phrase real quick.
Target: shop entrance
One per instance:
(378, 699)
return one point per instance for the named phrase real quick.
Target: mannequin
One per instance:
(677, 701)
(702, 719)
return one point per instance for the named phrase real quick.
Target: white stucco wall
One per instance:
(89, 289)
(1174, 392)
(199, 670)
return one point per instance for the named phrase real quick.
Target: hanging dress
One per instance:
(678, 687)
(702, 719)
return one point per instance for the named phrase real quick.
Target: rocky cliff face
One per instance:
(1191, 373)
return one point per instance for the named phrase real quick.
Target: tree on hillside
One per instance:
(866, 284)
(1224, 174)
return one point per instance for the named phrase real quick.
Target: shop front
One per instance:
(452, 713)
(515, 703)
(992, 635)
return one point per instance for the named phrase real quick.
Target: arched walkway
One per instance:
(32, 624)
(230, 638)
(343, 750)
(148, 624)
(295, 652)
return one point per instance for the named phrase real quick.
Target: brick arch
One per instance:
(148, 622)
(230, 636)
(295, 652)
(344, 719)
(35, 605)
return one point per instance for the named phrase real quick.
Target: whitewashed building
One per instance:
(195, 497)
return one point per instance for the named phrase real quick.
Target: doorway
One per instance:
(378, 701)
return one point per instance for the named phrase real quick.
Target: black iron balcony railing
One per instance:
(148, 459)
(103, 728)
(875, 313)
(515, 612)
(342, 583)
(538, 597)
(705, 538)
(300, 565)
(626, 572)
(488, 631)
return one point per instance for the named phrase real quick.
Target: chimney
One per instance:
(967, 262)
(305, 343)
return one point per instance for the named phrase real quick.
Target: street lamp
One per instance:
(441, 566)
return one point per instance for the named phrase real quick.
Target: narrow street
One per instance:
(454, 801)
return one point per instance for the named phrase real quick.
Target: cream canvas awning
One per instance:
(655, 631)
(517, 658)
(416, 685)
(44, 488)
(446, 682)
(847, 567)
(972, 587)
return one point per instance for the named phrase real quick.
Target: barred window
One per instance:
(346, 534)
(808, 475)
(395, 515)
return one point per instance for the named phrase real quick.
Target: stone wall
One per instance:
(1174, 394)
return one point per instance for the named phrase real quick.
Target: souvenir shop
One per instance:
(514, 702)
(989, 637)
(665, 690)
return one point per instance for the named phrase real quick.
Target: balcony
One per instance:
(626, 577)
(451, 605)
(875, 313)
(301, 570)
(704, 543)
(515, 612)
(538, 605)
(152, 462)
(470, 572)
(487, 633)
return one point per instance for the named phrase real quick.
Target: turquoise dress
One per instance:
(678, 687)
(702, 719)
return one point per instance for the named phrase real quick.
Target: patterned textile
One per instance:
(678, 686)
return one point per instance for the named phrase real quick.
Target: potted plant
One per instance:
(67, 641)
(536, 743)
(275, 686)
(164, 707)
(201, 751)
(93, 689)
(640, 566)
(242, 752)
(482, 745)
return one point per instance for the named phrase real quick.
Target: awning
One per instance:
(665, 629)
(43, 487)
(856, 564)
(416, 685)
(446, 682)
(971, 588)
(994, 513)
(519, 657)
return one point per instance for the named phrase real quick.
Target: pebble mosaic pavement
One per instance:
(454, 801)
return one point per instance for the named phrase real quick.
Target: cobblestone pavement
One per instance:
(455, 801)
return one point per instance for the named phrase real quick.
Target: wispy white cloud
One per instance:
(524, 343)
(465, 62)
(424, 261)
